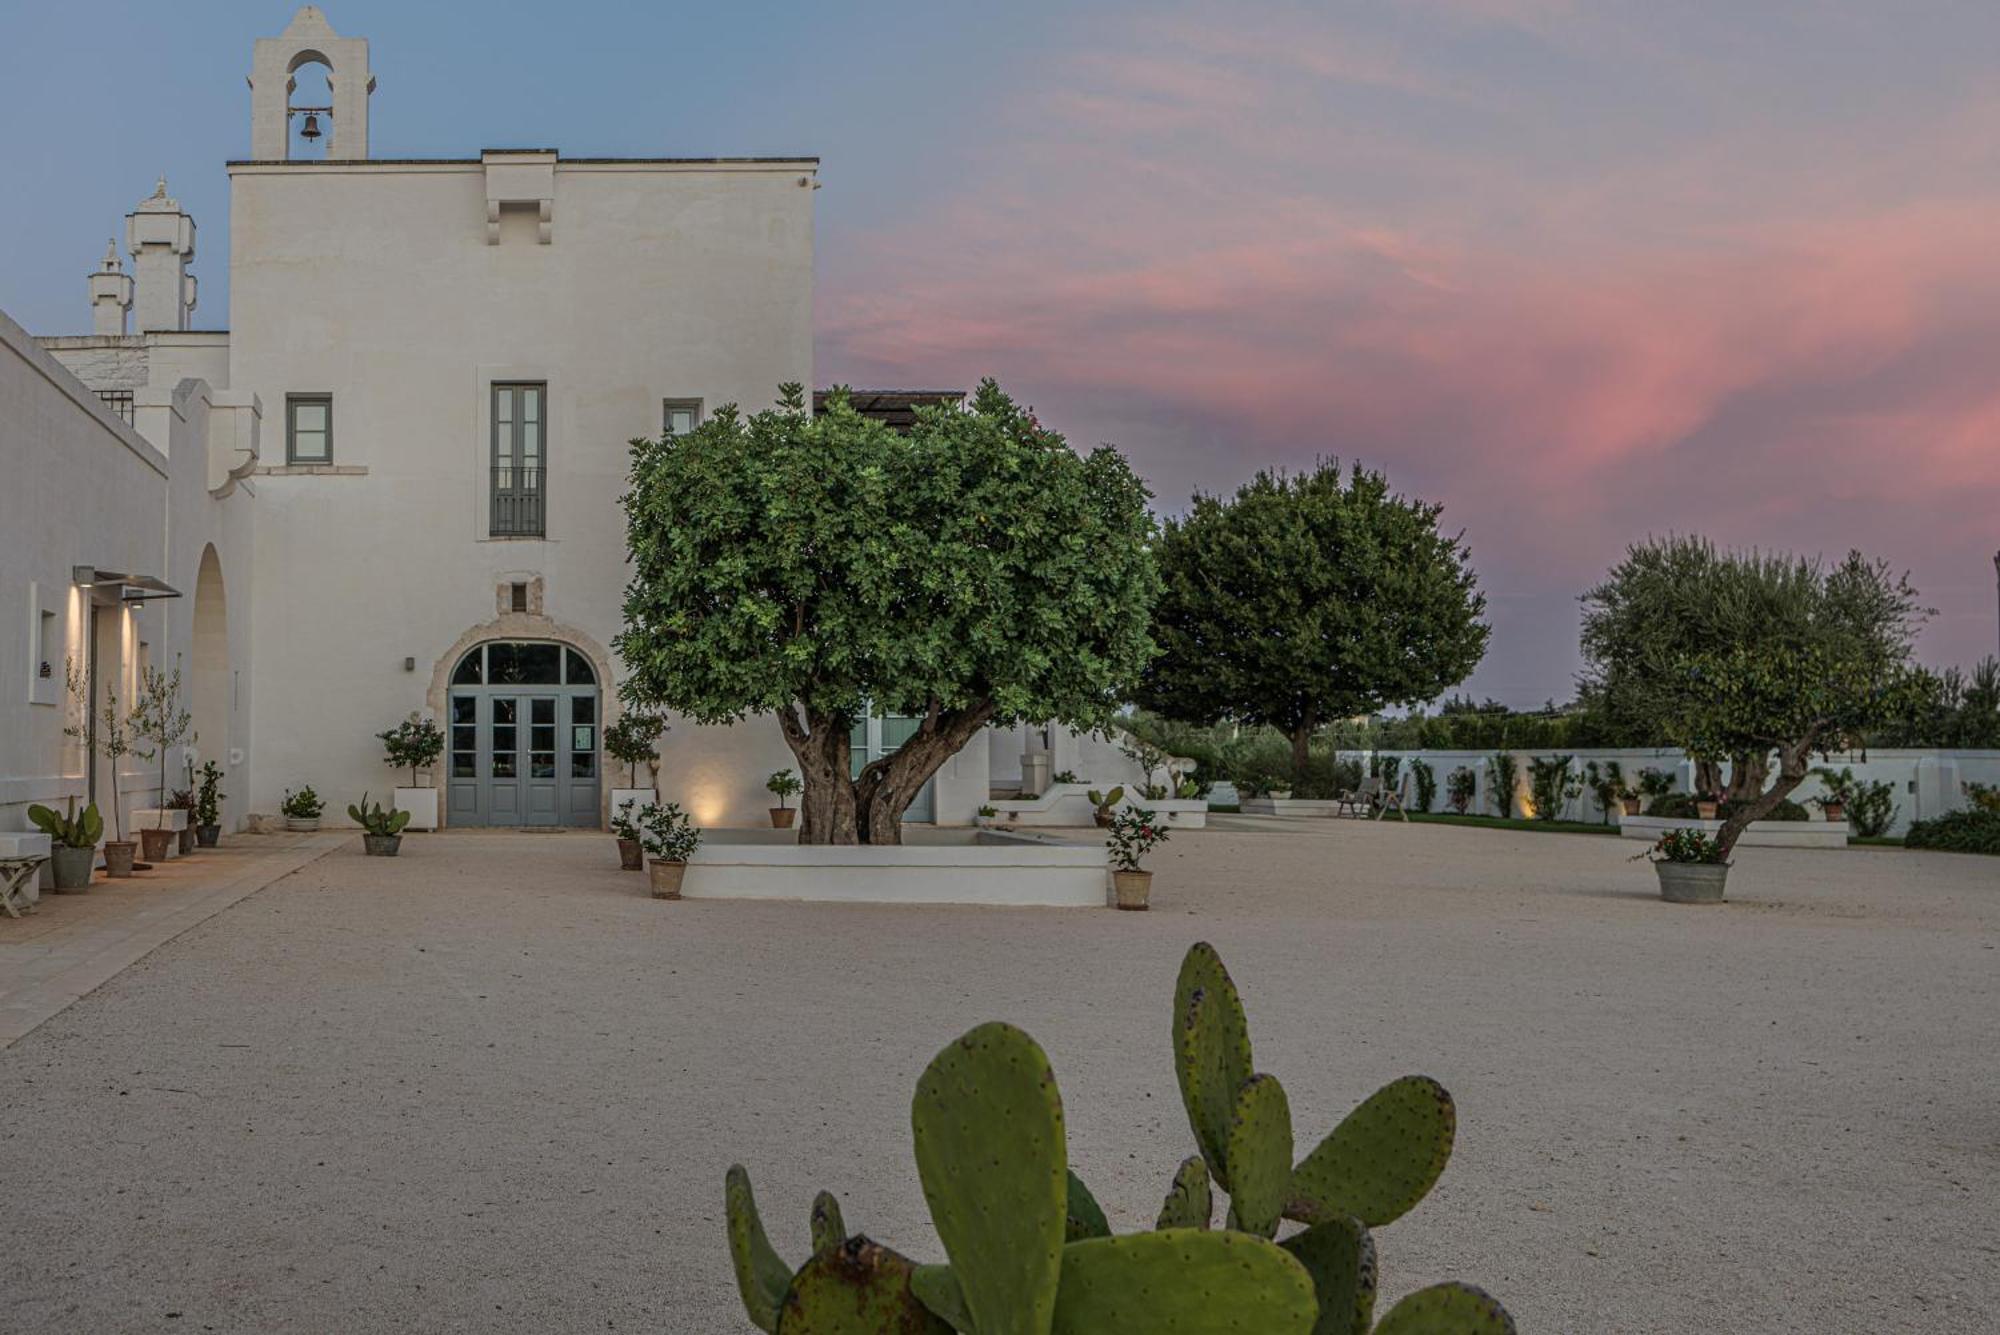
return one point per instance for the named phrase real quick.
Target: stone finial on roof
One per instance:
(112, 264)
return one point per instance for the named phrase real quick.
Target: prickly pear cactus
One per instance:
(937, 1289)
(1340, 1257)
(1085, 1217)
(1182, 1281)
(857, 1288)
(1211, 1052)
(1381, 1160)
(1260, 1156)
(829, 1230)
(988, 1125)
(1189, 1202)
(761, 1275)
(1447, 1309)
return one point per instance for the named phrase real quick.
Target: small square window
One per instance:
(308, 428)
(518, 593)
(680, 416)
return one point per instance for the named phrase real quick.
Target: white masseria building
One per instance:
(391, 484)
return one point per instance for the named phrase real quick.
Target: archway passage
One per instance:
(522, 736)
(212, 689)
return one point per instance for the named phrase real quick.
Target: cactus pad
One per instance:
(761, 1275)
(1381, 1160)
(1260, 1156)
(1182, 1281)
(858, 1288)
(1189, 1202)
(829, 1230)
(1211, 1052)
(937, 1288)
(1085, 1216)
(988, 1125)
(1447, 1309)
(1340, 1257)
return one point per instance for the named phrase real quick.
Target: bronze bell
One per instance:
(310, 131)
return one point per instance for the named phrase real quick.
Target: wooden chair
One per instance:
(14, 874)
(1361, 801)
(1392, 799)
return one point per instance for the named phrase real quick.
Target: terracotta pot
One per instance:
(187, 839)
(631, 855)
(118, 856)
(1706, 810)
(1132, 889)
(1103, 819)
(1692, 882)
(207, 835)
(1631, 805)
(666, 878)
(1835, 811)
(381, 845)
(157, 842)
(72, 868)
(781, 817)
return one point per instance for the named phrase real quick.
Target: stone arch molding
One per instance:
(525, 626)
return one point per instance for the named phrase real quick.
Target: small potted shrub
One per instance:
(381, 830)
(632, 741)
(631, 853)
(783, 784)
(1654, 784)
(1065, 776)
(208, 805)
(73, 839)
(159, 721)
(1690, 866)
(414, 744)
(1134, 832)
(669, 838)
(986, 815)
(302, 809)
(1459, 787)
(1105, 803)
(1840, 789)
(1707, 806)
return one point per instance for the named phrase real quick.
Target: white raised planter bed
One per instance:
(946, 867)
(1290, 806)
(421, 803)
(1759, 834)
(1069, 805)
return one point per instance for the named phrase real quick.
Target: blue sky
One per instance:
(1578, 269)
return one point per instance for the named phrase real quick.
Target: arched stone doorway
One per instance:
(522, 725)
(211, 689)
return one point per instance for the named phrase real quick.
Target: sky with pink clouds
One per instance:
(1579, 271)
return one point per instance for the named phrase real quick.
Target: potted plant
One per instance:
(381, 830)
(1105, 802)
(632, 741)
(1134, 832)
(1691, 867)
(208, 805)
(159, 721)
(783, 784)
(1065, 776)
(74, 839)
(1459, 788)
(1706, 805)
(670, 838)
(1840, 790)
(111, 740)
(631, 852)
(415, 744)
(986, 815)
(301, 809)
(1654, 784)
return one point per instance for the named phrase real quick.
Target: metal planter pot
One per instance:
(207, 835)
(381, 845)
(1692, 882)
(72, 867)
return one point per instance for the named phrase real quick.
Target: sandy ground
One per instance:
(490, 1086)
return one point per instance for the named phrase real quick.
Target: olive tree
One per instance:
(975, 571)
(1305, 600)
(1740, 655)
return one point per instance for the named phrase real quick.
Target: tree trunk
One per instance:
(887, 786)
(1747, 774)
(1302, 753)
(1792, 771)
(820, 744)
(1707, 778)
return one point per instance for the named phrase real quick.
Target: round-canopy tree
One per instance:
(1305, 600)
(1734, 655)
(975, 571)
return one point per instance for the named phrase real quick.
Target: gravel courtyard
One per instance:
(490, 1086)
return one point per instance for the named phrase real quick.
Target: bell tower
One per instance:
(309, 40)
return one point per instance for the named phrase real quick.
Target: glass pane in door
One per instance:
(542, 738)
(506, 739)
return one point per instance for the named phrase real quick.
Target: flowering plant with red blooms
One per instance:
(1133, 834)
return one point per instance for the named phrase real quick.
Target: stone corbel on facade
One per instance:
(235, 424)
(520, 176)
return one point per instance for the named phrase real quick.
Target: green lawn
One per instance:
(1495, 823)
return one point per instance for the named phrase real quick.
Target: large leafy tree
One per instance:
(976, 571)
(1740, 656)
(1305, 600)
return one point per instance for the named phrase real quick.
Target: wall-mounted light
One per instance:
(410, 663)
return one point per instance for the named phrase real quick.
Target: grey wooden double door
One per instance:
(524, 737)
